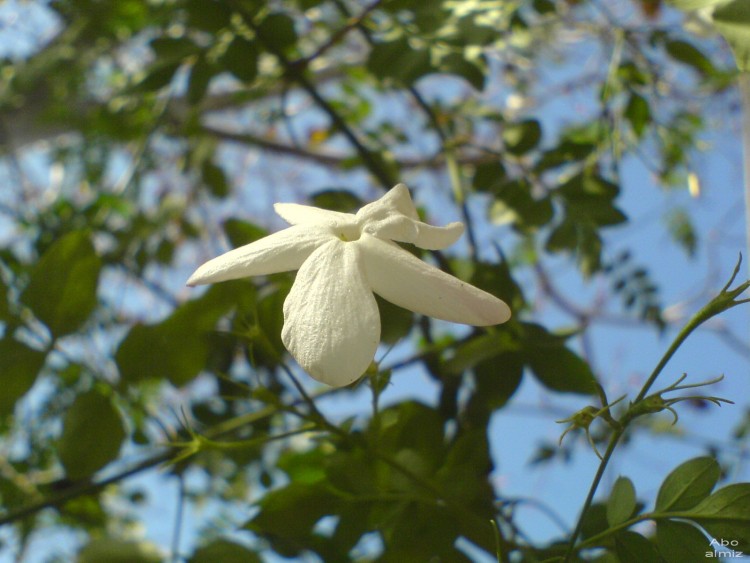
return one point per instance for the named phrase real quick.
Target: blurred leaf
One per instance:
(63, 283)
(19, 367)
(241, 233)
(215, 179)
(158, 76)
(690, 55)
(224, 551)
(681, 228)
(638, 114)
(688, 484)
(337, 200)
(208, 15)
(277, 30)
(200, 76)
(732, 19)
(110, 550)
(178, 348)
(519, 138)
(241, 59)
(395, 322)
(631, 546)
(679, 542)
(397, 60)
(92, 435)
(4, 305)
(555, 366)
(621, 503)
(479, 348)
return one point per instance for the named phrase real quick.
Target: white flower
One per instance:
(331, 319)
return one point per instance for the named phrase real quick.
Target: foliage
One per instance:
(144, 116)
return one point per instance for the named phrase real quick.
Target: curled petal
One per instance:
(405, 280)
(420, 234)
(396, 200)
(280, 252)
(296, 214)
(331, 319)
(394, 217)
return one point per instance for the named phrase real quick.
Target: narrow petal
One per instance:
(296, 214)
(331, 319)
(405, 280)
(394, 217)
(396, 200)
(420, 234)
(280, 252)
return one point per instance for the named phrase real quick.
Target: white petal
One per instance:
(296, 214)
(405, 280)
(394, 217)
(280, 252)
(425, 236)
(397, 199)
(331, 319)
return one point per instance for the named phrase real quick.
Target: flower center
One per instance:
(348, 233)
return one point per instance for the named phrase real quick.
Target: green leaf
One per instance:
(519, 138)
(173, 48)
(481, 347)
(397, 60)
(690, 55)
(4, 305)
(224, 551)
(62, 288)
(92, 435)
(110, 550)
(395, 322)
(679, 542)
(208, 15)
(691, 5)
(638, 113)
(200, 76)
(337, 200)
(688, 484)
(287, 516)
(555, 366)
(241, 233)
(622, 502)
(19, 366)
(726, 515)
(633, 547)
(179, 347)
(277, 30)
(472, 70)
(241, 59)
(215, 179)
(733, 22)
(158, 76)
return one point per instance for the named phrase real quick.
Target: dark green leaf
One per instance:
(215, 179)
(179, 347)
(62, 288)
(638, 113)
(473, 71)
(277, 30)
(555, 366)
(679, 542)
(241, 233)
(481, 347)
(622, 502)
(19, 366)
(519, 138)
(92, 435)
(689, 54)
(208, 15)
(241, 59)
(173, 49)
(632, 547)
(111, 550)
(200, 76)
(4, 306)
(224, 551)
(337, 200)
(688, 484)
(395, 322)
(158, 76)
(397, 60)
(488, 176)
